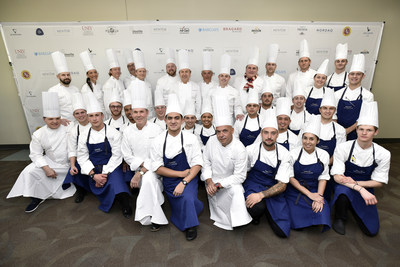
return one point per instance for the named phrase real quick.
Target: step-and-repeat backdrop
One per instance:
(29, 46)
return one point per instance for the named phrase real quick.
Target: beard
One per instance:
(66, 81)
(171, 73)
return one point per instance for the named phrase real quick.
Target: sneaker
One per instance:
(34, 205)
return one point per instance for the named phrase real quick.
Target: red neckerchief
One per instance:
(249, 83)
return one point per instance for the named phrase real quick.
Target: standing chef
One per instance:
(165, 84)
(339, 79)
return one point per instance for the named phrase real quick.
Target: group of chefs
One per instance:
(262, 146)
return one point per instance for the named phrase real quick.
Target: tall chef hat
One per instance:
(207, 60)
(254, 56)
(304, 50)
(60, 63)
(273, 53)
(127, 98)
(51, 107)
(369, 114)
(87, 61)
(170, 56)
(138, 93)
(221, 111)
(138, 59)
(313, 125)
(173, 105)
(323, 68)
(112, 58)
(189, 108)
(252, 97)
(206, 108)
(93, 106)
(77, 102)
(283, 106)
(115, 97)
(329, 99)
(298, 89)
(159, 100)
(267, 88)
(183, 56)
(225, 66)
(341, 51)
(269, 119)
(128, 56)
(358, 63)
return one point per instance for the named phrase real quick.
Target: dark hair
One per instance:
(89, 83)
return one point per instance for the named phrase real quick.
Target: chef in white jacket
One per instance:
(224, 171)
(274, 81)
(165, 84)
(159, 108)
(286, 137)
(63, 89)
(339, 79)
(130, 65)
(117, 120)
(206, 73)
(44, 177)
(136, 141)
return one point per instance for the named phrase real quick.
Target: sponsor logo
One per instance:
(160, 51)
(346, 31)
(30, 94)
(39, 32)
(256, 30)
(209, 49)
(208, 29)
(42, 53)
(232, 72)
(136, 31)
(159, 30)
(324, 30)
(20, 53)
(63, 31)
(112, 30)
(232, 29)
(26, 75)
(87, 30)
(47, 74)
(15, 32)
(74, 72)
(302, 29)
(322, 51)
(35, 113)
(232, 51)
(184, 30)
(190, 50)
(368, 32)
(364, 52)
(280, 71)
(279, 30)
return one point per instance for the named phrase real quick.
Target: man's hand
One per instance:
(100, 179)
(125, 166)
(240, 117)
(253, 199)
(211, 188)
(65, 122)
(341, 179)
(179, 189)
(184, 173)
(73, 170)
(369, 198)
(49, 172)
(135, 181)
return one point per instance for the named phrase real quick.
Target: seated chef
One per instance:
(176, 156)
(359, 166)
(44, 177)
(117, 120)
(268, 165)
(224, 171)
(99, 155)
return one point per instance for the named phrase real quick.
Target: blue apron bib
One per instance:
(313, 104)
(301, 212)
(368, 214)
(348, 113)
(260, 178)
(186, 207)
(99, 155)
(204, 139)
(248, 137)
(337, 88)
(296, 132)
(329, 145)
(286, 143)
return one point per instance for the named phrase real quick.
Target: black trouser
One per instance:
(261, 208)
(343, 204)
(124, 199)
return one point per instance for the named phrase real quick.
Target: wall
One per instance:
(14, 129)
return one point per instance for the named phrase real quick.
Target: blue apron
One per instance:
(368, 214)
(300, 208)
(123, 122)
(296, 132)
(313, 104)
(337, 88)
(204, 139)
(248, 137)
(99, 155)
(329, 145)
(260, 178)
(186, 207)
(286, 143)
(348, 113)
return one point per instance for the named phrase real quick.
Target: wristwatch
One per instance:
(184, 182)
(92, 175)
(141, 172)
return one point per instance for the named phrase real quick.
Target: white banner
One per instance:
(29, 46)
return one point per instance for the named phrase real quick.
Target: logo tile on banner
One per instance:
(232, 29)
(184, 30)
(25, 74)
(324, 30)
(368, 32)
(112, 30)
(256, 30)
(20, 53)
(135, 30)
(159, 30)
(302, 30)
(39, 32)
(346, 31)
(63, 31)
(15, 32)
(280, 31)
(87, 30)
(209, 29)
(208, 48)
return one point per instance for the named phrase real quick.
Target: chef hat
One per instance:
(254, 56)
(183, 56)
(358, 63)
(369, 114)
(313, 125)
(173, 105)
(115, 97)
(93, 106)
(138, 59)
(138, 93)
(112, 58)
(128, 56)
(206, 108)
(304, 50)
(283, 105)
(170, 56)
(323, 68)
(207, 60)
(269, 119)
(60, 63)
(225, 65)
(189, 108)
(221, 111)
(77, 102)
(86, 61)
(267, 88)
(127, 98)
(298, 89)
(159, 100)
(328, 100)
(273, 53)
(341, 51)
(252, 97)
(51, 107)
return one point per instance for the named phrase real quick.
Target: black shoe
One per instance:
(34, 204)
(127, 212)
(155, 227)
(80, 196)
(255, 221)
(338, 226)
(191, 233)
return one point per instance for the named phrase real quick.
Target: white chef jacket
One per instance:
(363, 158)
(326, 133)
(174, 147)
(128, 80)
(262, 111)
(306, 79)
(337, 79)
(206, 132)
(188, 92)
(235, 104)
(114, 138)
(351, 95)
(165, 86)
(251, 125)
(160, 123)
(297, 119)
(307, 159)
(72, 137)
(317, 93)
(269, 157)
(65, 99)
(239, 84)
(293, 139)
(98, 93)
(205, 89)
(107, 90)
(120, 123)
(277, 85)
